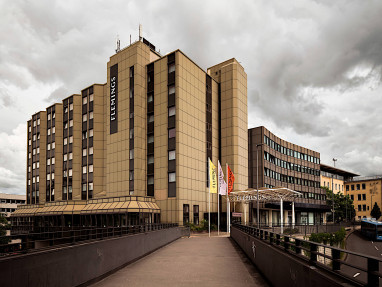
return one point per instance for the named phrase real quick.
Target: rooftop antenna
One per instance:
(140, 32)
(117, 45)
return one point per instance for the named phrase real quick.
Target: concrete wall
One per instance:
(282, 269)
(78, 264)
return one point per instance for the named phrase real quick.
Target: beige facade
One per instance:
(365, 192)
(143, 136)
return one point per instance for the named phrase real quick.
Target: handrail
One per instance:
(63, 236)
(313, 254)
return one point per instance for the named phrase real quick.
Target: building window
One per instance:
(91, 115)
(364, 196)
(70, 123)
(90, 150)
(71, 107)
(151, 118)
(150, 98)
(186, 214)
(171, 68)
(171, 177)
(171, 89)
(150, 139)
(53, 130)
(150, 180)
(131, 154)
(84, 169)
(90, 133)
(70, 172)
(364, 207)
(131, 133)
(131, 175)
(91, 98)
(359, 197)
(171, 155)
(352, 197)
(352, 187)
(90, 186)
(171, 111)
(52, 160)
(196, 214)
(90, 168)
(363, 186)
(358, 186)
(71, 139)
(150, 159)
(65, 157)
(65, 141)
(84, 117)
(84, 152)
(70, 156)
(84, 100)
(171, 133)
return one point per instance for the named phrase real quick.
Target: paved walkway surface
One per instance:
(195, 261)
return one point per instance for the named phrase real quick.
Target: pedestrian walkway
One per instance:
(194, 261)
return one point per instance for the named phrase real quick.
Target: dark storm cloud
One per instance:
(314, 67)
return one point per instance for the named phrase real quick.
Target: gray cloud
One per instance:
(314, 67)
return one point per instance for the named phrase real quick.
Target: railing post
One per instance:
(297, 243)
(271, 238)
(278, 239)
(372, 269)
(336, 255)
(286, 243)
(313, 253)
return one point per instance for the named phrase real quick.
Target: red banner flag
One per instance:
(230, 180)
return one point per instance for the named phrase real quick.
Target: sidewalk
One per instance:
(195, 261)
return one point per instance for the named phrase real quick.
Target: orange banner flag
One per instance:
(231, 179)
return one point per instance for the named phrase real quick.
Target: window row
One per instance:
(287, 165)
(357, 186)
(53, 115)
(290, 152)
(290, 179)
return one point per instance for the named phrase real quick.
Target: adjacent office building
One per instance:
(135, 149)
(335, 178)
(365, 192)
(278, 163)
(9, 202)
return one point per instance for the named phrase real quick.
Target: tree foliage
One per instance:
(375, 212)
(342, 205)
(4, 226)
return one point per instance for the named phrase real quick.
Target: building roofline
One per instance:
(334, 170)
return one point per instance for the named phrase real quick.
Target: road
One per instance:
(357, 243)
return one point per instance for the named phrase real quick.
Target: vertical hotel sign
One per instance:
(114, 99)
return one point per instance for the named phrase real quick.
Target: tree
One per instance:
(4, 226)
(343, 206)
(375, 212)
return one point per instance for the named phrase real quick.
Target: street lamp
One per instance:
(334, 162)
(257, 183)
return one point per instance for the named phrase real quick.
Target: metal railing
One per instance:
(322, 256)
(55, 237)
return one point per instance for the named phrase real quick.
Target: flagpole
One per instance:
(218, 198)
(209, 200)
(228, 204)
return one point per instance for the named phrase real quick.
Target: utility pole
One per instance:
(334, 162)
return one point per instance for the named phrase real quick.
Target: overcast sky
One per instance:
(314, 67)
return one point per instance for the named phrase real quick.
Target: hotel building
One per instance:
(135, 149)
(278, 163)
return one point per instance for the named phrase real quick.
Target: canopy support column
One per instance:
(293, 217)
(281, 214)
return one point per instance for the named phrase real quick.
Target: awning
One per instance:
(24, 212)
(121, 207)
(265, 194)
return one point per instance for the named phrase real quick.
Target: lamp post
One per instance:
(334, 162)
(257, 183)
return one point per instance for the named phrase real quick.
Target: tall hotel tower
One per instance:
(135, 149)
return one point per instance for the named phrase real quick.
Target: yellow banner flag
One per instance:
(213, 178)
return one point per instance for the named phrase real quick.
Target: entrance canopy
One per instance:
(265, 195)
